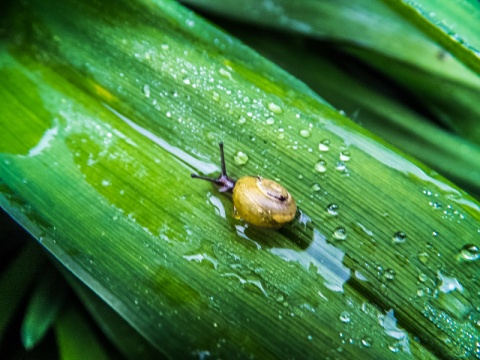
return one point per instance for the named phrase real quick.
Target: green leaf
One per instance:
(374, 104)
(46, 302)
(137, 97)
(75, 337)
(453, 24)
(15, 281)
(126, 339)
(390, 42)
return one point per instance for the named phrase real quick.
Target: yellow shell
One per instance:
(263, 202)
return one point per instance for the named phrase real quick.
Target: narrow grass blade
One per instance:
(43, 308)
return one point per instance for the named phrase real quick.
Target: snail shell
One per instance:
(262, 202)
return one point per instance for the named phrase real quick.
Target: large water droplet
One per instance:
(367, 341)
(225, 73)
(399, 237)
(344, 155)
(274, 108)
(423, 257)
(324, 145)
(146, 90)
(321, 166)
(333, 209)
(270, 121)
(340, 233)
(470, 252)
(305, 133)
(240, 158)
(345, 317)
(340, 166)
(316, 187)
(390, 274)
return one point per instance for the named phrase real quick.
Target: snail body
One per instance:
(260, 202)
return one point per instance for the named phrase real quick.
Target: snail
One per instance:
(260, 202)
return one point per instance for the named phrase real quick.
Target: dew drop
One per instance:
(242, 120)
(270, 121)
(324, 145)
(395, 348)
(321, 166)
(340, 166)
(423, 257)
(390, 274)
(333, 209)
(165, 46)
(399, 237)
(345, 317)
(274, 108)
(305, 133)
(225, 73)
(316, 187)
(340, 233)
(240, 158)
(344, 155)
(367, 341)
(422, 277)
(470, 252)
(216, 96)
(146, 90)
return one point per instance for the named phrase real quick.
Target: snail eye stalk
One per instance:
(225, 183)
(222, 159)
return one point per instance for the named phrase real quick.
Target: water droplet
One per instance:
(305, 133)
(242, 119)
(146, 90)
(274, 108)
(345, 317)
(225, 73)
(390, 274)
(367, 341)
(216, 96)
(436, 205)
(395, 347)
(281, 136)
(422, 277)
(435, 233)
(321, 166)
(344, 155)
(310, 337)
(333, 209)
(423, 257)
(470, 252)
(324, 145)
(316, 187)
(399, 237)
(240, 158)
(270, 121)
(340, 166)
(165, 46)
(340, 233)
(186, 81)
